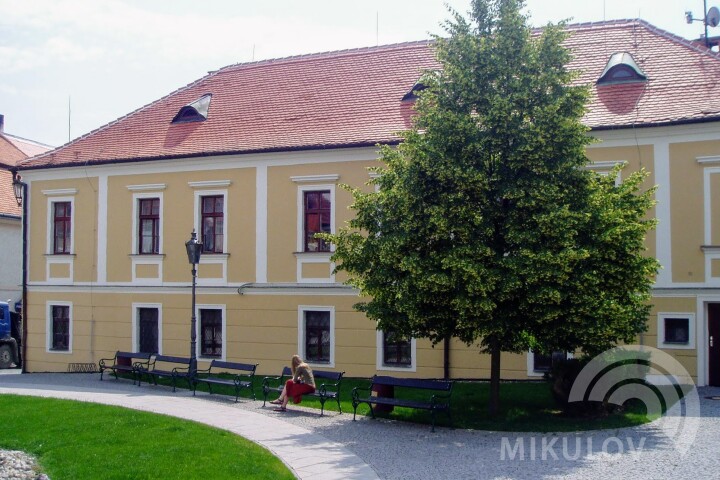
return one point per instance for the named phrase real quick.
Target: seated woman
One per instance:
(301, 383)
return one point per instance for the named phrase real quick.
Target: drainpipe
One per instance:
(24, 317)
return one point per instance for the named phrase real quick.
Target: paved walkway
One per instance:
(333, 446)
(308, 454)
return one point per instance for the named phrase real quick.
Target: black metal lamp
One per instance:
(194, 250)
(18, 189)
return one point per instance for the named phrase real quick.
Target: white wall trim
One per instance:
(301, 333)
(708, 160)
(60, 191)
(102, 223)
(380, 355)
(198, 348)
(147, 187)
(48, 326)
(60, 259)
(136, 323)
(316, 258)
(210, 184)
(261, 224)
(218, 162)
(333, 177)
(663, 242)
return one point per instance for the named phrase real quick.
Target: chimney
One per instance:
(2, 123)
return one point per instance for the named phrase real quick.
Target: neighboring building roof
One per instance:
(12, 151)
(10, 154)
(354, 98)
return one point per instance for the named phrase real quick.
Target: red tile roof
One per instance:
(353, 98)
(10, 154)
(8, 205)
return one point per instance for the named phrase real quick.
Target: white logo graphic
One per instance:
(651, 376)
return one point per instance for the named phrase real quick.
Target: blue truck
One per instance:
(10, 337)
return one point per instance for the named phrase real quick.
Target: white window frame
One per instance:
(604, 169)
(301, 215)
(51, 201)
(136, 327)
(661, 317)
(301, 333)
(531, 372)
(135, 212)
(380, 365)
(48, 326)
(198, 216)
(198, 343)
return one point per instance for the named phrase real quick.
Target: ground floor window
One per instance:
(397, 351)
(211, 333)
(316, 336)
(59, 328)
(148, 330)
(676, 330)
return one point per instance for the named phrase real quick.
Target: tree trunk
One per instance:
(494, 377)
(446, 358)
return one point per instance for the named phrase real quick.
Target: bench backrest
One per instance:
(336, 376)
(248, 367)
(412, 383)
(169, 359)
(143, 356)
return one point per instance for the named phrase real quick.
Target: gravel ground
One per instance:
(398, 450)
(15, 465)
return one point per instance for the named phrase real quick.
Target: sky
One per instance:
(68, 67)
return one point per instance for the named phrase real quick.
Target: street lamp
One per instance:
(194, 250)
(18, 186)
(20, 189)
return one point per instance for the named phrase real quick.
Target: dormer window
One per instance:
(412, 94)
(621, 68)
(196, 111)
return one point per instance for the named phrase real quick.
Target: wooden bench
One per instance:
(165, 369)
(328, 390)
(238, 380)
(123, 362)
(435, 403)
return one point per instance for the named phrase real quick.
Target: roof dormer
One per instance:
(621, 68)
(196, 111)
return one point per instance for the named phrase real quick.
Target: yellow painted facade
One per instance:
(263, 282)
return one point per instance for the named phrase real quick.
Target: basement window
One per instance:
(196, 111)
(621, 68)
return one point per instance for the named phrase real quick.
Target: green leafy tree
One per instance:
(486, 226)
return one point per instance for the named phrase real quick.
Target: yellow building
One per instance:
(252, 155)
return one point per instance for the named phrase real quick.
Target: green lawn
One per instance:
(76, 440)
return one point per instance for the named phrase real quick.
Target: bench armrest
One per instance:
(204, 370)
(434, 399)
(266, 380)
(355, 391)
(103, 361)
(181, 370)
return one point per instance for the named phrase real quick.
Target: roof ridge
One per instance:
(327, 54)
(23, 139)
(692, 44)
